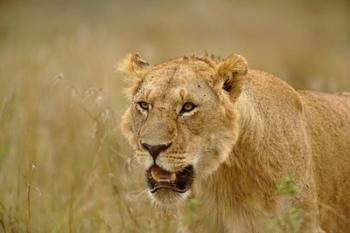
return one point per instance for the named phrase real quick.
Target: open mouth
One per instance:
(158, 178)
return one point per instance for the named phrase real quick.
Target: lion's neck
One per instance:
(244, 176)
(250, 123)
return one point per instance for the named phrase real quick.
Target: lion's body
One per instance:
(278, 132)
(328, 127)
(283, 132)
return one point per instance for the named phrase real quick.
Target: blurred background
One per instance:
(64, 167)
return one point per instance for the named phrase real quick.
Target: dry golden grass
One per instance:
(64, 166)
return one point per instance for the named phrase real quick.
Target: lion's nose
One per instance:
(154, 150)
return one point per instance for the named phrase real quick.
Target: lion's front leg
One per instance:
(308, 206)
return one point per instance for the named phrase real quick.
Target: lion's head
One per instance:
(182, 122)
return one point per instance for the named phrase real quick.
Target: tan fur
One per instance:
(242, 141)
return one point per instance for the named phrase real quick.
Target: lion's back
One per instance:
(328, 126)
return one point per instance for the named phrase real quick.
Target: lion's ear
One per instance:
(229, 69)
(133, 65)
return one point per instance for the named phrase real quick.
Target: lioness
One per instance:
(214, 129)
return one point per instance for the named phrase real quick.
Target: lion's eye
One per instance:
(187, 107)
(143, 105)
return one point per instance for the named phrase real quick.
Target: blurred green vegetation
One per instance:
(64, 166)
(290, 220)
(191, 209)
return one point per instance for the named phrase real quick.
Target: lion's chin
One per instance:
(166, 198)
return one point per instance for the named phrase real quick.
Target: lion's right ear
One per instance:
(134, 66)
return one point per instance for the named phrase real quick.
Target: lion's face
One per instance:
(181, 126)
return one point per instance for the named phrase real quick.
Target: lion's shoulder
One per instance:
(271, 92)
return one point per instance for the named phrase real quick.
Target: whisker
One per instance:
(137, 194)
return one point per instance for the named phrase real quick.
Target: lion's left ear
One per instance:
(134, 66)
(229, 69)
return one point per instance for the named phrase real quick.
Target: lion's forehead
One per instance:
(174, 83)
(170, 76)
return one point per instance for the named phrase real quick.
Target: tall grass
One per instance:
(64, 166)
